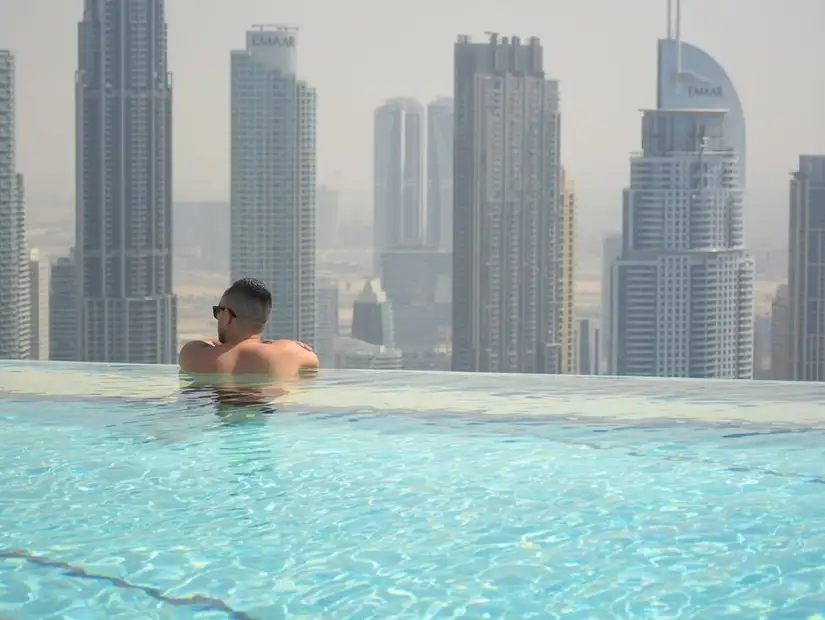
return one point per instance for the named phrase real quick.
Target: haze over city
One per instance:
(357, 54)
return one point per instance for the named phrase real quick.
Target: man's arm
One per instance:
(307, 360)
(191, 355)
(293, 359)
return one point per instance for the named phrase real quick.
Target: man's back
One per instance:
(279, 358)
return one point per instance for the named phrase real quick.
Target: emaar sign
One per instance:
(705, 91)
(273, 39)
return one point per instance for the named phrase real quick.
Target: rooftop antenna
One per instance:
(679, 37)
(669, 19)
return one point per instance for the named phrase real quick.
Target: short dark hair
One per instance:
(250, 300)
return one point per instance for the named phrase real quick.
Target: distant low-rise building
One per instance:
(351, 353)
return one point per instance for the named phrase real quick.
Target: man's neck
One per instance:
(251, 338)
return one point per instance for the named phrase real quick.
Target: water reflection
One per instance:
(240, 398)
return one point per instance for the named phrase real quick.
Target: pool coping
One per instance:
(627, 399)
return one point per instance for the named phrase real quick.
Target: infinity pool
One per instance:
(410, 495)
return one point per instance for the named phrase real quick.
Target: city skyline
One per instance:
(699, 112)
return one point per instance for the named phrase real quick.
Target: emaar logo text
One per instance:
(273, 39)
(704, 91)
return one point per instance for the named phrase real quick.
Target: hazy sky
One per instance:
(359, 52)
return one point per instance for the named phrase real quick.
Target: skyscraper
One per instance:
(123, 90)
(507, 241)
(690, 78)
(63, 308)
(398, 177)
(274, 178)
(806, 270)
(611, 252)
(14, 263)
(587, 347)
(683, 288)
(440, 174)
(567, 327)
(39, 306)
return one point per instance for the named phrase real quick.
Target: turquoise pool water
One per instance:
(399, 495)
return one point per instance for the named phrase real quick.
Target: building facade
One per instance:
(806, 270)
(127, 310)
(507, 241)
(440, 174)
(273, 178)
(398, 177)
(64, 299)
(14, 264)
(587, 347)
(683, 288)
(39, 306)
(567, 327)
(690, 78)
(611, 252)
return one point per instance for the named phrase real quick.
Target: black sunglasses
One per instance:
(216, 310)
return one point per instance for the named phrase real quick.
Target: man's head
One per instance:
(243, 310)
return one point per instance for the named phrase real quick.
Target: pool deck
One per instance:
(608, 398)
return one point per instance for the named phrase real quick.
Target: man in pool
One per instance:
(239, 350)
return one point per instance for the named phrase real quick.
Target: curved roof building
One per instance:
(690, 78)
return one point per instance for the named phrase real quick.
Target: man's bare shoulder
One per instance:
(193, 354)
(293, 354)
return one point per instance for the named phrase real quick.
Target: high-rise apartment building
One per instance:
(507, 241)
(123, 89)
(398, 177)
(683, 288)
(63, 310)
(440, 174)
(806, 270)
(14, 263)
(39, 306)
(567, 327)
(273, 181)
(611, 252)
